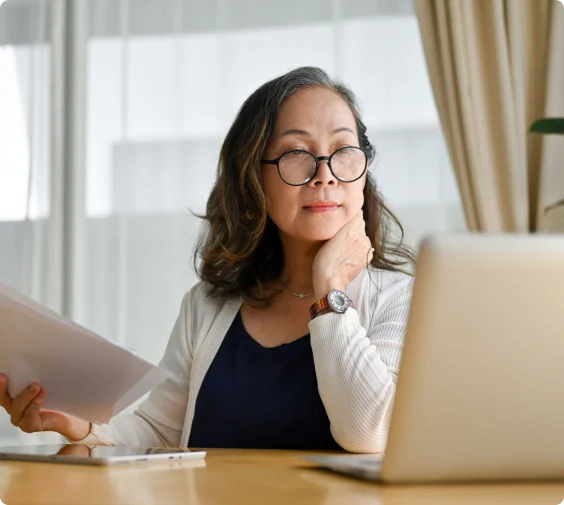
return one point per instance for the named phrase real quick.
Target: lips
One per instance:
(322, 206)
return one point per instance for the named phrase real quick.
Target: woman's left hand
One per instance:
(342, 258)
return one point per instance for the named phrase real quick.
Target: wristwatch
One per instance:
(336, 300)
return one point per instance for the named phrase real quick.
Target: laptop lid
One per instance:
(480, 393)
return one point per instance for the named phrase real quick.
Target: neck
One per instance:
(298, 262)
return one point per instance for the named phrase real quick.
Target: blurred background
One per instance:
(112, 113)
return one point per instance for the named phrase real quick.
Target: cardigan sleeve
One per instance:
(159, 419)
(357, 367)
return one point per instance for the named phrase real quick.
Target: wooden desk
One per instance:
(241, 478)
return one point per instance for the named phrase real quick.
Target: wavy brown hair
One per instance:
(240, 247)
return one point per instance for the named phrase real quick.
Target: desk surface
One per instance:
(241, 478)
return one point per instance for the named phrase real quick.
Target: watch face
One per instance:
(338, 301)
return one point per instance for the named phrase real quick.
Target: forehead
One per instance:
(315, 109)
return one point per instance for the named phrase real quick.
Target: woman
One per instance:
(293, 338)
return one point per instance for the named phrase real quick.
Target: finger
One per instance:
(21, 402)
(31, 422)
(5, 399)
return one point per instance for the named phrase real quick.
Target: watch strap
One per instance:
(318, 306)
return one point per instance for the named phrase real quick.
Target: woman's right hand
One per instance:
(25, 413)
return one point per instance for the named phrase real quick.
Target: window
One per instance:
(164, 79)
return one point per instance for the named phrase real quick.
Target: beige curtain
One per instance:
(494, 67)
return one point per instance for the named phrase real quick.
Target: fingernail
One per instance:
(33, 388)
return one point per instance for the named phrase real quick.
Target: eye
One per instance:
(347, 150)
(296, 156)
(295, 152)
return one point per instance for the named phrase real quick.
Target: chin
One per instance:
(311, 231)
(321, 233)
(318, 237)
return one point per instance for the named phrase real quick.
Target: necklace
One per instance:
(302, 295)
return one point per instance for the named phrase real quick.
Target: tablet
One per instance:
(100, 455)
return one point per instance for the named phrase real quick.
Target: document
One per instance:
(84, 374)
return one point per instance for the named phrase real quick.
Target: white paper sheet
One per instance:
(84, 374)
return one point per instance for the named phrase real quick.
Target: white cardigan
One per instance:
(356, 355)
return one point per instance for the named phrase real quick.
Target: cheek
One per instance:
(282, 201)
(355, 197)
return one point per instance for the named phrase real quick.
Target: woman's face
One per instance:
(317, 120)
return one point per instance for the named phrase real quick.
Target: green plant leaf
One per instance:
(548, 125)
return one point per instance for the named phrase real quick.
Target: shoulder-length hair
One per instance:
(240, 248)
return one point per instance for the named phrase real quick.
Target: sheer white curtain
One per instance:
(30, 253)
(157, 84)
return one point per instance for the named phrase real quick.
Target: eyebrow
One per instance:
(343, 129)
(295, 131)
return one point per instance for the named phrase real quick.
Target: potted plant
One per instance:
(547, 126)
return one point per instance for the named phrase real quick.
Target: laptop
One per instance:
(97, 456)
(480, 392)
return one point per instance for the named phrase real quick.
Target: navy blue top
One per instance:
(256, 397)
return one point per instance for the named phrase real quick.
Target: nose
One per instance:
(323, 175)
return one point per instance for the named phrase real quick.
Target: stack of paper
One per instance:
(84, 374)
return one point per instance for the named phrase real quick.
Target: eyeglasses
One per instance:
(298, 167)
